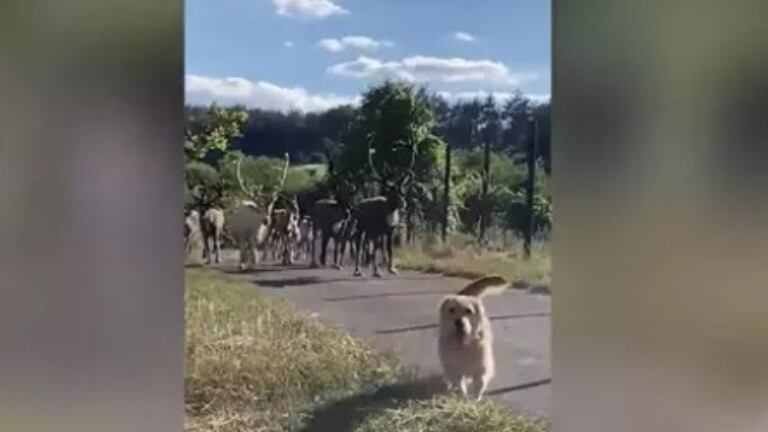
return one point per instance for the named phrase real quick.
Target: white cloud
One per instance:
(258, 94)
(358, 42)
(432, 69)
(500, 96)
(464, 37)
(308, 8)
(539, 98)
(288, 44)
(332, 45)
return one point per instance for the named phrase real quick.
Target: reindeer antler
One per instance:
(371, 150)
(409, 174)
(276, 192)
(239, 175)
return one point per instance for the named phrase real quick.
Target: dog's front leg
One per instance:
(456, 382)
(479, 384)
(463, 384)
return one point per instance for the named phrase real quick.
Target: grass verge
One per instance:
(467, 261)
(255, 363)
(447, 414)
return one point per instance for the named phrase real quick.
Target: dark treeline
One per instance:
(308, 137)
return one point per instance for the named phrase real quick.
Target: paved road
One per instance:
(399, 314)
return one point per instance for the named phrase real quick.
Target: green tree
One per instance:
(211, 130)
(203, 185)
(395, 119)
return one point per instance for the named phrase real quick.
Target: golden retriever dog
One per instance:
(465, 343)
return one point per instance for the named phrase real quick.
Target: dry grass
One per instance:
(447, 414)
(255, 363)
(458, 257)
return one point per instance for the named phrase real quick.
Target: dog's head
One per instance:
(461, 316)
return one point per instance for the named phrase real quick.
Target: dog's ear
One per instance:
(484, 286)
(445, 304)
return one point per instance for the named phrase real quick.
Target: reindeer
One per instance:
(377, 217)
(329, 217)
(211, 223)
(305, 236)
(250, 225)
(192, 234)
(283, 226)
(212, 227)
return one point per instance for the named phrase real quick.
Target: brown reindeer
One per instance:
(377, 217)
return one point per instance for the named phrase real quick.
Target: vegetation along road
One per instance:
(399, 314)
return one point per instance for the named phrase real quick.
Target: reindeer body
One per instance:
(248, 228)
(376, 219)
(329, 218)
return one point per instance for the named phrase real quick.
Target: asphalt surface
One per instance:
(399, 314)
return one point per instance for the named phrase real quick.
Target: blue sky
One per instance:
(310, 55)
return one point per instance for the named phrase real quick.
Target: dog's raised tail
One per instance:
(485, 286)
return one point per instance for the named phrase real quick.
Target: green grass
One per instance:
(255, 363)
(461, 259)
(447, 414)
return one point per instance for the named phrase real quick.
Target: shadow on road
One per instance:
(519, 387)
(493, 318)
(293, 282)
(374, 296)
(237, 272)
(345, 414)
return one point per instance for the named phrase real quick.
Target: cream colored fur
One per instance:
(465, 343)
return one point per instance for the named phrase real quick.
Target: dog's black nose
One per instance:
(459, 324)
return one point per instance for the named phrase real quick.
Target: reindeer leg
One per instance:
(217, 246)
(324, 247)
(376, 247)
(313, 245)
(390, 255)
(292, 250)
(359, 248)
(206, 250)
(336, 247)
(286, 250)
(342, 252)
(243, 257)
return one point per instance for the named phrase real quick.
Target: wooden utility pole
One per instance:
(485, 185)
(447, 192)
(530, 183)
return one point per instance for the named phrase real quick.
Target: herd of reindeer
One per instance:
(289, 231)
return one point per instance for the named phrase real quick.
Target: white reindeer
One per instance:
(212, 226)
(250, 227)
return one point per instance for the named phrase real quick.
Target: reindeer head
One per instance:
(204, 199)
(394, 186)
(255, 193)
